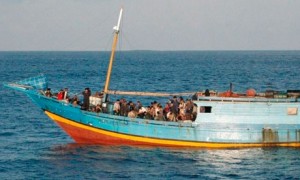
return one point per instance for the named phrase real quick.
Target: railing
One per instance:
(247, 99)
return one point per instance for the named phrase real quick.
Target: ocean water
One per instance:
(34, 147)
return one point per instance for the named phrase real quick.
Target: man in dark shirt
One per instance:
(86, 98)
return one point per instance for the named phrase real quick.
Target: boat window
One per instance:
(205, 109)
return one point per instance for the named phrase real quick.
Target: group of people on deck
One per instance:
(63, 95)
(176, 109)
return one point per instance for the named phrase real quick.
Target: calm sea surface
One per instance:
(34, 147)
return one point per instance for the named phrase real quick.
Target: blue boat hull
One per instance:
(260, 124)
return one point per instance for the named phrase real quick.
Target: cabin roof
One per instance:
(248, 99)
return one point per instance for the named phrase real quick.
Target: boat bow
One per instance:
(33, 83)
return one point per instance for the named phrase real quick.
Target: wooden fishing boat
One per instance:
(218, 120)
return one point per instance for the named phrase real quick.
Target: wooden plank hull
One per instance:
(91, 135)
(230, 123)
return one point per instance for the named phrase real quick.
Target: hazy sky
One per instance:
(150, 24)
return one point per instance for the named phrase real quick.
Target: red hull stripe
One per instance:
(87, 134)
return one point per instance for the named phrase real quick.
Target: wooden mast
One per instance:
(112, 56)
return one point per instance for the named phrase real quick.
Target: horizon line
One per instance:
(140, 50)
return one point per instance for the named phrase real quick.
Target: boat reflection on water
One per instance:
(128, 161)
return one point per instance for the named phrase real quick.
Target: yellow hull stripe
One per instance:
(164, 142)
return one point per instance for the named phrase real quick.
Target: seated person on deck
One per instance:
(48, 92)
